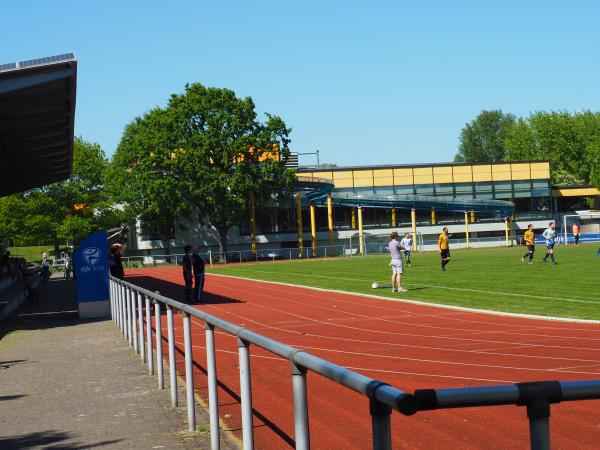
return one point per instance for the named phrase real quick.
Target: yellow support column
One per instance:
(472, 216)
(506, 230)
(432, 216)
(394, 217)
(299, 224)
(353, 218)
(313, 231)
(330, 225)
(253, 223)
(361, 242)
(413, 219)
(467, 228)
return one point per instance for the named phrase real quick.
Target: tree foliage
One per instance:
(570, 141)
(203, 156)
(482, 140)
(63, 212)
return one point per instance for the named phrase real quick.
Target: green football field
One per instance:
(492, 279)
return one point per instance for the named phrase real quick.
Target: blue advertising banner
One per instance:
(91, 264)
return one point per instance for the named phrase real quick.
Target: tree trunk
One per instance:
(222, 230)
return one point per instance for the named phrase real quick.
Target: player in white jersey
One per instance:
(407, 243)
(550, 235)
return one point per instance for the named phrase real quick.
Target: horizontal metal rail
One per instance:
(535, 396)
(383, 398)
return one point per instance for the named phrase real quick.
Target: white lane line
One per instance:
(429, 304)
(395, 322)
(452, 288)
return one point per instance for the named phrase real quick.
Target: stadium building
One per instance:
(352, 210)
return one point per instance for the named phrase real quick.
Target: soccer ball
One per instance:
(375, 285)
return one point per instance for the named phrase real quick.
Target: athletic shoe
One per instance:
(393, 290)
(402, 290)
(530, 262)
(443, 269)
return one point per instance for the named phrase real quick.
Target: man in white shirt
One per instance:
(550, 235)
(395, 249)
(407, 243)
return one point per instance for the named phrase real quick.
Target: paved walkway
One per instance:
(71, 384)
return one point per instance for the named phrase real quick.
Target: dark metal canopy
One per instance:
(37, 115)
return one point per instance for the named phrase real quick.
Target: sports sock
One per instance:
(531, 257)
(552, 257)
(546, 257)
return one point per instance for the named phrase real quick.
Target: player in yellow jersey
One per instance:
(529, 238)
(444, 248)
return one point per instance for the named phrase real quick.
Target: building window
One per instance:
(424, 189)
(464, 190)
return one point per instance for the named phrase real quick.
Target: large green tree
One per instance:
(482, 139)
(229, 156)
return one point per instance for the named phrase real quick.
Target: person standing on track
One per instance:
(188, 274)
(395, 249)
(407, 243)
(444, 248)
(198, 269)
(529, 238)
(576, 232)
(550, 236)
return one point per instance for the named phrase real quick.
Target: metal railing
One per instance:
(128, 303)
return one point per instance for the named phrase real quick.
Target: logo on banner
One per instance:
(92, 255)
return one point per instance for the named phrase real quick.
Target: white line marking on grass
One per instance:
(422, 303)
(395, 322)
(512, 294)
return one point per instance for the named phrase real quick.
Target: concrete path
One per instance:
(70, 384)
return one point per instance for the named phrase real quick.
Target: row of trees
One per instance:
(570, 141)
(200, 158)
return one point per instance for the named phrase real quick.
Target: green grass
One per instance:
(492, 279)
(34, 252)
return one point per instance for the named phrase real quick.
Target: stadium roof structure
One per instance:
(37, 118)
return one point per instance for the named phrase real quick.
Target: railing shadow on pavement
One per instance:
(48, 439)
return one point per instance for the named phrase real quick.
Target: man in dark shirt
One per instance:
(115, 263)
(198, 268)
(188, 274)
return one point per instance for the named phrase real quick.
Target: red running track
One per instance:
(408, 346)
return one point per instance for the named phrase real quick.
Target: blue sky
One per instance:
(363, 82)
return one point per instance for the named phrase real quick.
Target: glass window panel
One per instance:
(405, 190)
(424, 189)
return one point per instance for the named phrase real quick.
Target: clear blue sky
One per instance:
(363, 82)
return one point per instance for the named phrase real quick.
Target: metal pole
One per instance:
(141, 326)
(330, 225)
(313, 231)
(467, 228)
(159, 355)
(150, 356)
(539, 433)
(413, 220)
(246, 395)
(361, 241)
(380, 425)
(128, 308)
(134, 317)
(299, 223)
(213, 399)
(506, 230)
(111, 296)
(122, 308)
(252, 224)
(301, 430)
(189, 374)
(172, 369)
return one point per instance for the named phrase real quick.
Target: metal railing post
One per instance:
(189, 373)
(122, 310)
(150, 356)
(128, 308)
(141, 327)
(172, 368)
(134, 319)
(380, 424)
(112, 299)
(159, 355)
(301, 430)
(213, 396)
(246, 394)
(539, 433)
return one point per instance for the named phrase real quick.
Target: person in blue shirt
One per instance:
(550, 235)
